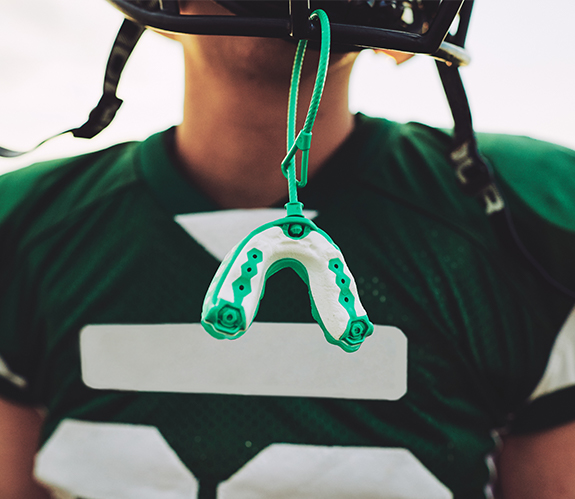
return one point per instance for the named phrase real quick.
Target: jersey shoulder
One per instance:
(539, 174)
(43, 195)
(410, 163)
(47, 209)
(537, 179)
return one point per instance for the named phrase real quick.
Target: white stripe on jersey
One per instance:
(270, 359)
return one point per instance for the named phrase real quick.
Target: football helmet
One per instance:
(414, 26)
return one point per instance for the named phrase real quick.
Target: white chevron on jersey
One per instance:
(220, 231)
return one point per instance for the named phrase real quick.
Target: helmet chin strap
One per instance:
(103, 114)
(475, 176)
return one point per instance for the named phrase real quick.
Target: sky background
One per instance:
(53, 54)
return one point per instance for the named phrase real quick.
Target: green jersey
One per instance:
(106, 259)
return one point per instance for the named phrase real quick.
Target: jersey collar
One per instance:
(162, 172)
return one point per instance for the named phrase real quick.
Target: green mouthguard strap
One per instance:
(303, 139)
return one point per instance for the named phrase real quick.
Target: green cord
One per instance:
(303, 140)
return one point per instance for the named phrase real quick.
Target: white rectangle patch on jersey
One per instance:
(270, 359)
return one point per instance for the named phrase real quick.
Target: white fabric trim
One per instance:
(220, 231)
(274, 359)
(13, 378)
(112, 461)
(560, 371)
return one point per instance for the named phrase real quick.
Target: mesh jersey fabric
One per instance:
(92, 240)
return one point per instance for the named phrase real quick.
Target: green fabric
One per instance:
(92, 240)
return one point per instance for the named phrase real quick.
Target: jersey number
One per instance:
(103, 460)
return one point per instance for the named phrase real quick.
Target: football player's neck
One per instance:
(233, 136)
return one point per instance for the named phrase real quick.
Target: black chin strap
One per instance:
(475, 175)
(103, 114)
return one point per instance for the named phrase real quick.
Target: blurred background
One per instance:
(53, 54)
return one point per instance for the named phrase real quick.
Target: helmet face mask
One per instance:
(413, 16)
(416, 26)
